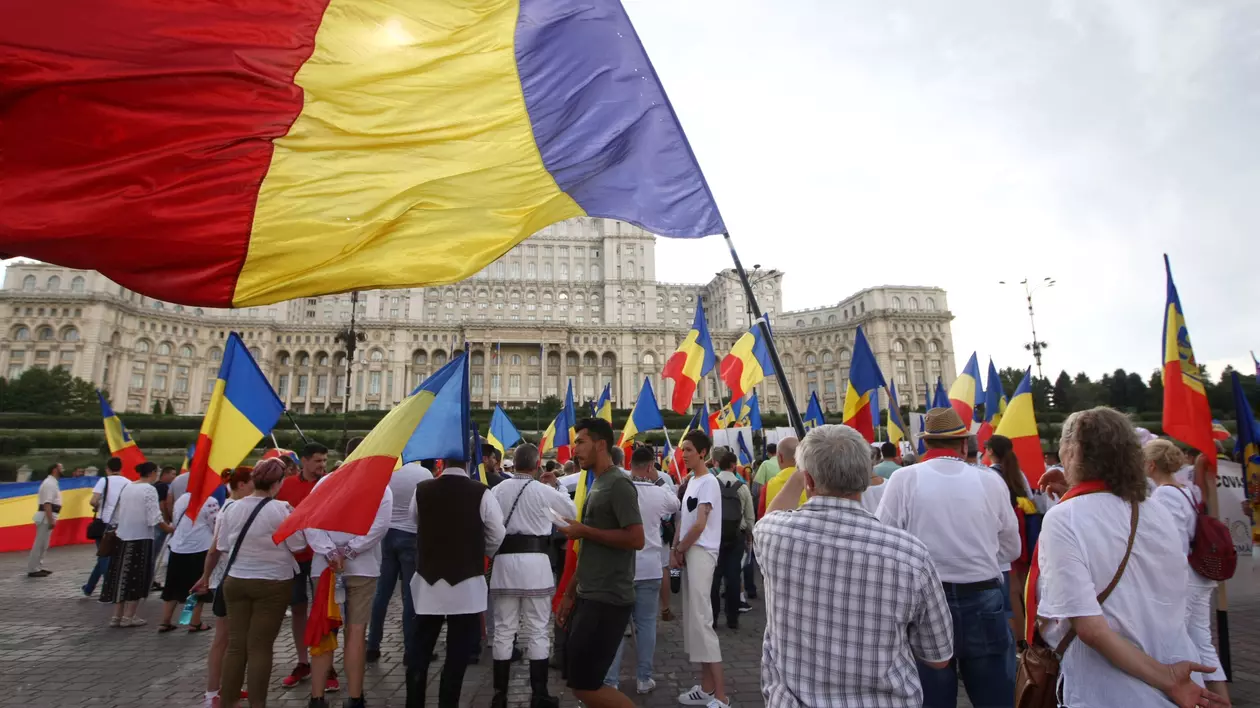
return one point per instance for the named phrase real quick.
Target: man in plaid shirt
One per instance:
(851, 604)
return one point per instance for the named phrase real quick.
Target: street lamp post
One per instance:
(349, 338)
(1036, 345)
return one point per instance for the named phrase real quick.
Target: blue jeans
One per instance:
(398, 562)
(98, 571)
(647, 598)
(158, 536)
(984, 654)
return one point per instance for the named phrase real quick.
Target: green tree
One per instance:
(1011, 379)
(550, 407)
(1136, 392)
(1085, 393)
(1117, 390)
(1063, 397)
(169, 409)
(1155, 393)
(49, 392)
(1041, 390)
(157, 408)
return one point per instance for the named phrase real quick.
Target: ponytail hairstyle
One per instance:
(1002, 452)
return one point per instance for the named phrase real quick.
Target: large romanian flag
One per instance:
(1187, 415)
(243, 153)
(865, 380)
(965, 394)
(1020, 425)
(645, 416)
(243, 409)
(120, 443)
(560, 434)
(19, 502)
(692, 361)
(749, 362)
(349, 499)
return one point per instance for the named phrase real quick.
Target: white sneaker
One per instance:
(715, 703)
(646, 686)
(696, 697)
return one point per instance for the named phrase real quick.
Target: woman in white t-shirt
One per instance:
(258, 584)
(697, 540)
(130, 574)
(1163, 462)
(240, 484)
(188, 546)
(1133, 650)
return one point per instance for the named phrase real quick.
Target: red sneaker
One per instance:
(332, 685)
(300, 673)
(244, 694)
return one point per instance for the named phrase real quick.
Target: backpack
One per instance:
(1212, 552)
(732, 514)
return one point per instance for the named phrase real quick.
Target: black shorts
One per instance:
(594, 633)
(301, 582)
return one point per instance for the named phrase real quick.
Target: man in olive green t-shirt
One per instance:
(598, 602)
(769, 468)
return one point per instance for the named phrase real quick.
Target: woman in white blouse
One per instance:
(257, 585)
(136, 514)
(188, 546)
(1133, 650)
(1163, 461)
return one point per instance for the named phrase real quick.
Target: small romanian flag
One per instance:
(120, 443)
(325, 619)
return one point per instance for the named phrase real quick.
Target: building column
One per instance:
(542, 375)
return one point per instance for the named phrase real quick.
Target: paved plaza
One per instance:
(55, 650)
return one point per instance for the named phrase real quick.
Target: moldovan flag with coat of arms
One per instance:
(692, 361)
(120, 443)
(965, 393)
(645, 416)
(233, 154)
(814, 413)
(1020, 425)
(243, 409)
(1187, 415)
(865, 380)
(349, 499)
(748, 362)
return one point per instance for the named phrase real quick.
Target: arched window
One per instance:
(28, 283)
(21, 334)
(553, 361)
(533, 360)
(917, 346)
(815, 321)
(303, 359)
(439, 357)
(930, 303)
(44, 334)
(934, 346)
(862, 307)
(165, 349)
(800, 323)
(845, 355)
(899, 346)
(478, 359)
(516, 360)
(54, 283)
(420, 358)
(562, 296)
(571, 359)
(914, 303)
(648, 359)
(589, 359)
(811, 359)
(186, 351)
(255, 352)
(215, 354)
(609, 361)
(831, 319)
(896, 303)
(826, 357)
(321, 359)
(76, 285)
(143, 345)
(282, 358)
(69, 334)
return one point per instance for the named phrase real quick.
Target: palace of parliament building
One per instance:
(579, 301)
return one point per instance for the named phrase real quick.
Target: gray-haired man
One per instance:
(832, 564)
(521, 582)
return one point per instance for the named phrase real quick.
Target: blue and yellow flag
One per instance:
(865, 380)
(502, 433)
(560, 434)
(940, 399)
(120, 443)
(1249, 446)
(750, 413)
(897, 430)
(745, 457)
(692, 361)
(645, 416)
(603, 407)
(814, 412)
(408, 142)
(243, 409)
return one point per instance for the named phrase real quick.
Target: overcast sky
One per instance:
(961, 143)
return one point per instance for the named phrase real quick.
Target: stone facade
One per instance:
(578, 301)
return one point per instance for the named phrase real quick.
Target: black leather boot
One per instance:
(538, 686)
(502, 671)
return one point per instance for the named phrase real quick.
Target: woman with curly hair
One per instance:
(1133, 648)
(1163, 461)
(1001, 452)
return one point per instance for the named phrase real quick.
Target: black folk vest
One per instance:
(450, 539)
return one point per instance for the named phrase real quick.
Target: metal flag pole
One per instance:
(295, 427)
(794, 414)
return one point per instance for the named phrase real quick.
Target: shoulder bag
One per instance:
(1037, 675)
(220, 604)
(96, 527)
(109, 539)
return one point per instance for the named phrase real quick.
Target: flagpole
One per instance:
(794, 414)
(299, 430)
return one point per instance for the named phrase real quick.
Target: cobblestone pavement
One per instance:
(55, 650)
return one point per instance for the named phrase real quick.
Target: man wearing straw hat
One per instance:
(963, 515)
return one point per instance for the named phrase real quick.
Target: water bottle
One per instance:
(675, 580)
(185, 617)
(339, 593)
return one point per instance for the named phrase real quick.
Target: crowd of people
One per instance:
(887, 581)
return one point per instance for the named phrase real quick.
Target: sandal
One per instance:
(164, 627)
(131, 622)
(198, 628)
(113, 621)
(666, 615)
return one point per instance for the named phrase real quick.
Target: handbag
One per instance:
(220, 603)
(96, 527)
(1037, 672)
(109, 538)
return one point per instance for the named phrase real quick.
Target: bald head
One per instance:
(787, 452)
